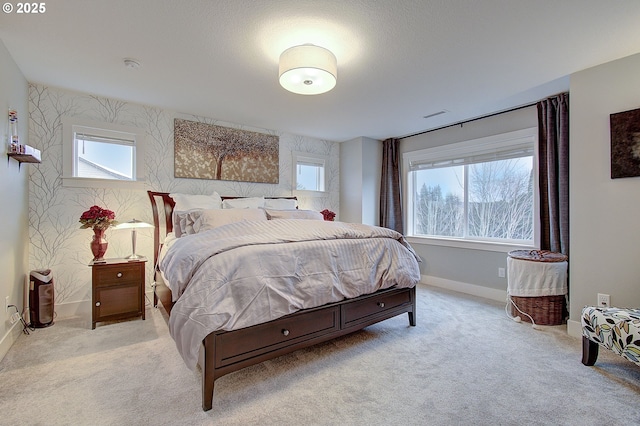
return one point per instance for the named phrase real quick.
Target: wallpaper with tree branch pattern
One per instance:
(56, 240)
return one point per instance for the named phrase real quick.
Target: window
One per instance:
(101, 154)
(309, 172)
(480, 190)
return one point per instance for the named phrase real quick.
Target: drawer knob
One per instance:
(97, 303)
(119, 275)
(285, 332)
(381, 304)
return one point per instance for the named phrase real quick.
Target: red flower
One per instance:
(97, 217)
(328, 214)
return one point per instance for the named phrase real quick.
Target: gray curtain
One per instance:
(553, 156)
(390, 191)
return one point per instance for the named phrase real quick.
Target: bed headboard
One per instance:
(162, 207)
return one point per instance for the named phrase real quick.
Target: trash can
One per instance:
(41, 303)
(537, 286)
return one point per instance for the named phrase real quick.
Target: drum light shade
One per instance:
(308, 70)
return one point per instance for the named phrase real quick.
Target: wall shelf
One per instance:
(22, 158)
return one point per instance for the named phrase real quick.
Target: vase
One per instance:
(98, 244)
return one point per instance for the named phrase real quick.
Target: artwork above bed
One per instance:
(207, 151)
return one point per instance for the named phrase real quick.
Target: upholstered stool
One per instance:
(612, 328)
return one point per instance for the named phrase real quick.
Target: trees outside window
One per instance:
(484, 193)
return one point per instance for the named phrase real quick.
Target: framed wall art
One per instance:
(207, 151)
(625, 144)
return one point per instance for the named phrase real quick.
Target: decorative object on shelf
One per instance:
(14, 143)
(328, 214)
(100, 220)
(20, 153)
(134, 225)
(308, 70)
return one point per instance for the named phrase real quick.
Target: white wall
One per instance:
(604, 220)
(360, 173)
(371, 176)
(351, 181)
(14, 197)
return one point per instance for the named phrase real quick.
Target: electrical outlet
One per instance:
(604, 301)
(6, 304)
(501, 272)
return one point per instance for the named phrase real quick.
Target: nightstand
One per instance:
(117, 289)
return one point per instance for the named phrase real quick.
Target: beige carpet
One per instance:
(465, 363)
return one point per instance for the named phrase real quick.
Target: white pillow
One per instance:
(243, 203)
(294, 214)
(186, 202)
(210, 219)
(280, 203)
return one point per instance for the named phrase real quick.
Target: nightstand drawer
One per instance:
(118, 274)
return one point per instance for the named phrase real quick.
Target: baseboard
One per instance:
(9, 339)
(574, 328)
(472, 289)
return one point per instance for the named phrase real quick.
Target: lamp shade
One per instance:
(133, 225)
(308, 70)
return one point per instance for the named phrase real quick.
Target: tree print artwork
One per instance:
(207, 151)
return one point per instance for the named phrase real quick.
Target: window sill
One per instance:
(76, 182)
(469, 244)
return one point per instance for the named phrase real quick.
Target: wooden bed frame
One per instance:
(223, 352)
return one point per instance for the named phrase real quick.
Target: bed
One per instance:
(225, 316)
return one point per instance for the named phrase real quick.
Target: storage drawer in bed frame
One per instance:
(268, 337)
(223, 352)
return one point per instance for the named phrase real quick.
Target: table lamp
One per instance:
(133, 225)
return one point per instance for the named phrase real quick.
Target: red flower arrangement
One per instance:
(328, 214)
(97, 218)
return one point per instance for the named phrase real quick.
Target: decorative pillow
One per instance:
(294, 214)
(280, 203)
(186, 202)
(243, 203)
(183, 221)
(210, 219)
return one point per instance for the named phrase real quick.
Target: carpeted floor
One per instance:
(465, 363)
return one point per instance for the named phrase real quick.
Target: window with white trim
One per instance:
(480, 190)
(101, 154)
(309, 172)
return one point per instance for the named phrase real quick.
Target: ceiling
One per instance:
(398, 60)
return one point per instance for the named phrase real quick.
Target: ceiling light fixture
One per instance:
(308, 70)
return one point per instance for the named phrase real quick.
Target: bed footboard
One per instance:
(224, 352)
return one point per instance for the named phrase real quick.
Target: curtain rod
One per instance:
(460, 123)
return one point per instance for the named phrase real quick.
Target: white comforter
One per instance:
(247, 273)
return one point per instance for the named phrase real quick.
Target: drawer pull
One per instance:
(285, 332)
(381, 304)
(97, 303)
(119, 275)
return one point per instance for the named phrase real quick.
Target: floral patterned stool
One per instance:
(612, 328)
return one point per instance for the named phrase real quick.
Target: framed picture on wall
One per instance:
(625, 144)
(207, 151)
